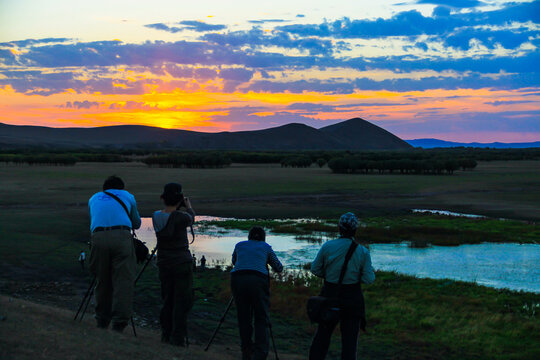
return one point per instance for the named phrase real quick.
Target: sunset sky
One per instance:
(458, 70)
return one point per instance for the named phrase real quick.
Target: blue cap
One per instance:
(348, 221)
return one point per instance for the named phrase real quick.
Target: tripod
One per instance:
(88, 295)
(222, 319)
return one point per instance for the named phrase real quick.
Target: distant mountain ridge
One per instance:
(434, 143)
(353, 134)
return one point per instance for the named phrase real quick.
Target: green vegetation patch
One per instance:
(422, 228)
(407, 317)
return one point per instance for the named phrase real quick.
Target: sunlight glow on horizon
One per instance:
(417, 70)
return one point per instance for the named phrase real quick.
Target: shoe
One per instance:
(177, 342)
(165, 338)
(102, 324)
(247, 353)
(119, 327)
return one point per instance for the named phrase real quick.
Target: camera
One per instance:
(182, 202)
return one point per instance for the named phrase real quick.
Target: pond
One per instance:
(509, 265)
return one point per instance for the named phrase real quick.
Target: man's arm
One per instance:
(274, 261)
(368, 275)
(234, 256)
(188, 217)
(189, 209)
(317, 266)
(134, 214)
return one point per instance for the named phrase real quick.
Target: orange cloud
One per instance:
(209, 110)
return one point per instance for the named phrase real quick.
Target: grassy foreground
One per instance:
(408, 318)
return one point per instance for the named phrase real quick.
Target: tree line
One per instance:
(358, 164)
(188, 160)
(44, 159)
(60, 159)
(425, 160)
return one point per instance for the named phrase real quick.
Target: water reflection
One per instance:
(512, 266)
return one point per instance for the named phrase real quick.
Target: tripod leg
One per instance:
(133, 327)
(219, 324)
(145, 265)
(272, 337)
(84, 298)
(87, 303)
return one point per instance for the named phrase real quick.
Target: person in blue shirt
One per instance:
(112, 255)
(250, 284)
(328, 264)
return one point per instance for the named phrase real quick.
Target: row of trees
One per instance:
(357, 164)
(60, 159)
(301, 161)
(264, 157)
(189, 160)
(45, 159)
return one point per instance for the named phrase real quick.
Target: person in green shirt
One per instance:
(328, 264)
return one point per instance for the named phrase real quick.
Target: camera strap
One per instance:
(192, 234)
(124, 206)
(348, 257)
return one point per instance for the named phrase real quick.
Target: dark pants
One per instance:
(177, 295)
(252, 297)
(351, 319)
(112, 260)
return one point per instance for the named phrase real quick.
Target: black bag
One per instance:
(141, 251)
(321, 309)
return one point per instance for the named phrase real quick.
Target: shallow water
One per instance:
(512, 266)
(449, 213)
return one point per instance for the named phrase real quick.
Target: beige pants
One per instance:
(113, 262)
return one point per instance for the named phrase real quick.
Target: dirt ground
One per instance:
(50, 333)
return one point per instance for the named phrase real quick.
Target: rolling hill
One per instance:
(354, 134)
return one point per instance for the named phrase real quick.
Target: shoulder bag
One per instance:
(321, 309)
(141, 251)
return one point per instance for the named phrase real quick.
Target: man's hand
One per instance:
(187, 203)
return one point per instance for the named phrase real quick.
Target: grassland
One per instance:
(44, 224)
(408, 318)
(44, 219)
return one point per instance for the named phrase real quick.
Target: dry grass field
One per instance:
(44, 224)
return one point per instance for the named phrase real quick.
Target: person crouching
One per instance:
(174, 261)
(250, 284)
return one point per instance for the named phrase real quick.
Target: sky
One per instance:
(456, 70)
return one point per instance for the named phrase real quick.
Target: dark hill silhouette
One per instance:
(358, 132)
(354, 134)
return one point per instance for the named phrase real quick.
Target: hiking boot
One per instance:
(165, 338)
(119, 327)
(177, 342)
(247, 353)
(102, 324)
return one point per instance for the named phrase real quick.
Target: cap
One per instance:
(172, 189)
(348, 221)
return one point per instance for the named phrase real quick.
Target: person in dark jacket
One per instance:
(250, 284)
(328, 264)
(174, 261)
